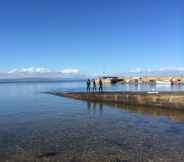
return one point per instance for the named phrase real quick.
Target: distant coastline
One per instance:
(40, 80)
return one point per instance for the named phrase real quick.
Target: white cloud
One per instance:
(29, 70)
(40, 72)
(70, 71)
(166, 71)
(12, 71)
(138, 70)
(32, 70)
(172, 69)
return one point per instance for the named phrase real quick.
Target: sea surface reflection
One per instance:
(40, 127)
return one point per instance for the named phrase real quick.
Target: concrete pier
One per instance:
(167, 100)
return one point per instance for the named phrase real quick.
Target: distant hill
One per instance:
(39, 80)
(40, 75)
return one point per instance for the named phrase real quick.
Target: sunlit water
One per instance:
(38, 126)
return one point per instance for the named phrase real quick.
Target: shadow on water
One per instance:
(174, 115)
(94, 107)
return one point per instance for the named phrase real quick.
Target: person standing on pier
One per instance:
(94, 85)
(100, 86)
(88, 85)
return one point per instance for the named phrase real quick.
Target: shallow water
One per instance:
(35, 126)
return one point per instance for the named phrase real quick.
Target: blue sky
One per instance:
(94, 36)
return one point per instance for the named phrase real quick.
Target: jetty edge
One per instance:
(167, 100)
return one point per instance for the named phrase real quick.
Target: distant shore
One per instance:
(153, 80)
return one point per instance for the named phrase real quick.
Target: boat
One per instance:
(182, 82)
(163, 82)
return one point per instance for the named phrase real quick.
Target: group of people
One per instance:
(94, 86)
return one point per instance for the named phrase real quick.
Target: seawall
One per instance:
(167, 100)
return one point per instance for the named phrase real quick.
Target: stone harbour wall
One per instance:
(168, 100)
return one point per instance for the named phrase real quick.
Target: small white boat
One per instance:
(153, 92)
(182, 82)
(163, 82)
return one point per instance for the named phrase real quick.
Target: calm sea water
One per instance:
(37, 127)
